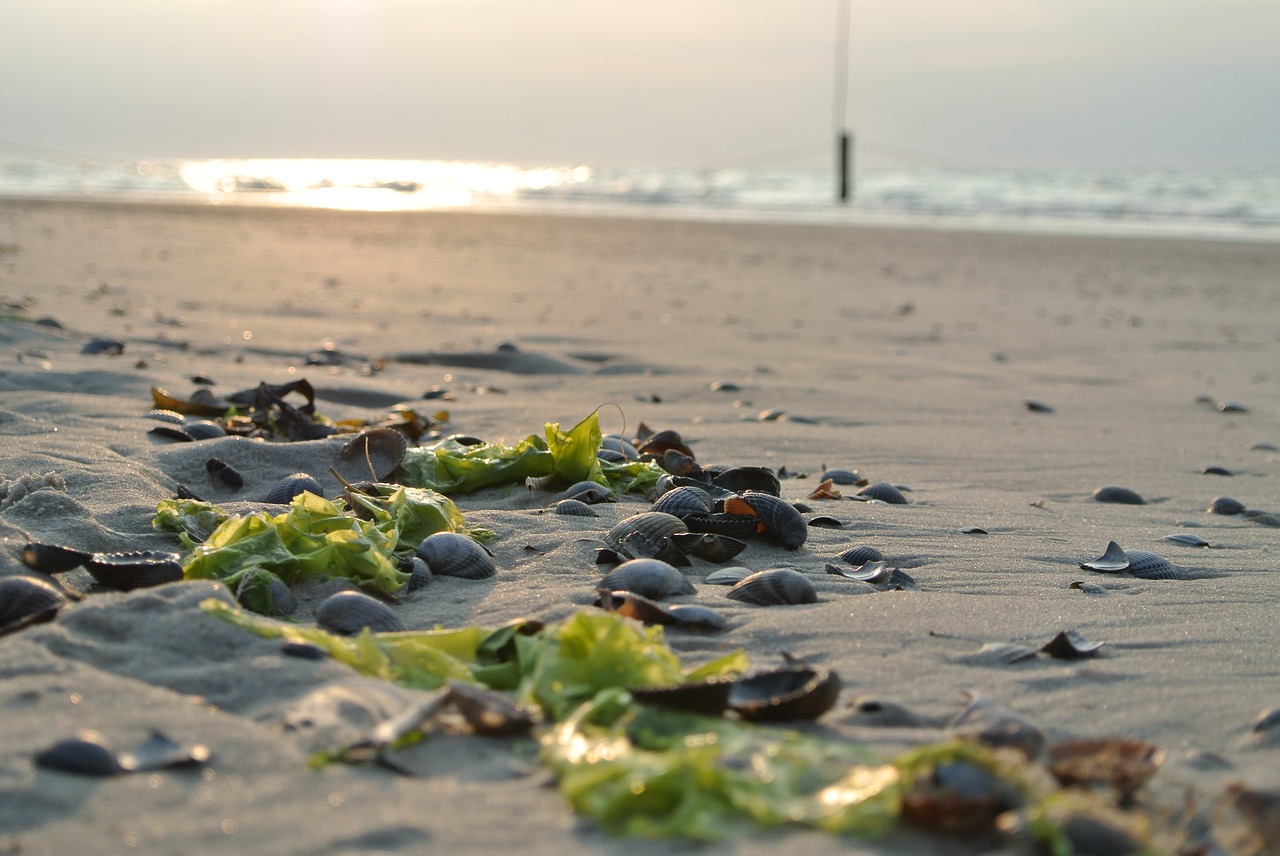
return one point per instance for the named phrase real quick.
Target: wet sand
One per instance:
(907, 355)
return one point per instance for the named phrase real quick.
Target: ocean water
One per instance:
(1241, 204)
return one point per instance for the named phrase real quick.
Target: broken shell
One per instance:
(1113, 560)
(733, 525)
(1187, 540)
(649, 578)
(451, 554)
(87, 754)
(997, 654)
(372, 455)
(27, 599)
(782, 522)
(774, 587)
(220, 471)
(709, 546)
(784, 695)
(347, 613)
(1121, 495)
(683, 501)
(709, 698)
(653, 525)
(884, 492)
(1226, 505)
(1116, 762)
(1087, 588)
(589, 492)
(492, 714)
(574, 508)
(419, 574)
(134, 570)
(51, 559)
(291, 486)
(1070, 645)
(871, 572)
(638, 545)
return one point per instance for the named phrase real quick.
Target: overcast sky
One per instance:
(664, 82)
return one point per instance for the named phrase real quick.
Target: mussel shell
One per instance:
(219, 470)
(372, 454)
(733, 525)
(203, 429)
(293, 485)
(651, 578)
(52, 559)
(574, 508)
(25, 598)
(1226, 505)
(709, 546)
(1121, 495)
(614, 443)
(1149, 566)
(774, 587)
(742, 479)
(843, 477)
(450, 554)
(86, 754)
(859, 556)
(653, 525)
(782, 522)
(683, 501)
(347, 613)
(784, 695)
(638, 545)
(134, 569)
(663, 441)
(709, 698)
(884, 492)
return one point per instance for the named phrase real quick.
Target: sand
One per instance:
(908, 355)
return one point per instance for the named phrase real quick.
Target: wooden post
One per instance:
(845, 154)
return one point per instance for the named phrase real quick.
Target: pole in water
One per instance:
(845, 144)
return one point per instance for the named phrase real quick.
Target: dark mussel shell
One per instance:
(683, 501)
(27, 600)
(172, 432)
(784, 695)
(372, 454)
(884, 492)
(679, 464)
(451, 554)
(661, 442)
(225, 474)
(87, 754)
(720, 523)
(638, 545)
(843, 477)
(1226, 505)
(135, 569)
(782, 522)
(709, 698)
(709, 546)
(859, 556)
(646, 611)
(291, 486)
(651, 578)
(774, 587)
(1121, 495)
(347, 613)
(1070, 645)
(742, 479)
(51, 559)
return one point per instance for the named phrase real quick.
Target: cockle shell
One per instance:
(782, 522)
(1121, 495)
(773, 587)
(651, 578)
(1226, 505)
(25, 598)
(653, 525)
(372, 455)
(683, 501)
(574, 508)
(451, 554)
(347, 613)
(292, 485)
(884, 492)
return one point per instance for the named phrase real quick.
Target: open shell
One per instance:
(709, 546)
(743, 479)
(683, 501)
(784, 695)
(52, 559)
(1119, 763)
(372, 455)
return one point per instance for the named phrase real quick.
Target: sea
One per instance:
(1234, 204)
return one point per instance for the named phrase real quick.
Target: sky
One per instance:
(1010, 83)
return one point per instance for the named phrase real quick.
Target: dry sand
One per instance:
(907, 355)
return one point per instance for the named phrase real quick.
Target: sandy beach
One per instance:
(911, 356)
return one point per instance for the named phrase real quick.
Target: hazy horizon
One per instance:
(1031, 84)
